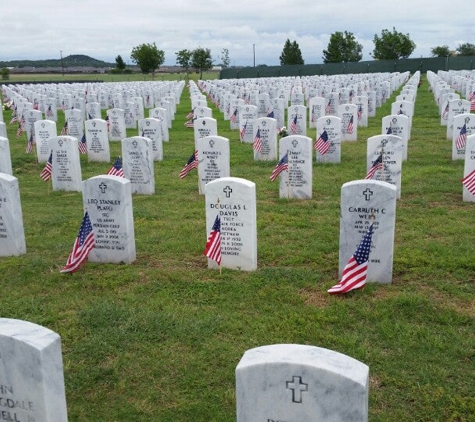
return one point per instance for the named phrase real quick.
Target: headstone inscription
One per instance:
(362, 200)
(31, 373)
(247, 116)
(233, 200)
(108, 200)
(12, 235)
(205, 126)
(329, 130)
(213, 159)
(300, 383)
(44, 130)
(116, 124)
(97, 139)
(464, 125)
(397, 124)
(137, 162)
(265, 135)
(5, 157)
(348, 114)
(297, 120)
(66, 165)
(152, 129)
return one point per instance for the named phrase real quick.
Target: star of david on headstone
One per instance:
(368, 193)
(103, 187)
(297, 387)
(295, 143)
(211, 143)
(227, 190)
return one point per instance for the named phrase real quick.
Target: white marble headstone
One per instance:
(461, 122)
(297, 117)
(469, 168)
(5, 157)
(31, 373)
(348, 114)
(300, 383)
(234, 200)
(66, 165)
(332, 126)
(397, 124)
(213, 159)
(108, 200)
(137, 163)
(247, 116)
(316, 110)
(97, 139)
(116, 124)
(75, 119)
(12, 235)
(205, 126)
(360, 199)
(3, 130)
(44, 130)
(152, 129)
(161, 114)
(267, 128)
(456, 107)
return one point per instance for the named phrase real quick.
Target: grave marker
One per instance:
(66, 166)
(97, 140)
(213, 159)
(5, 156)
(137, 162)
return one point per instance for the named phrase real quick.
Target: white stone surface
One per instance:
(12, 235)
(205, 126)
(137, 163)
(234, 199)
(349, 121)
(299, 112)
(152, 129)
(360, 199)
(75, 119)
(108, 200)
(247, 116)
(5, 156)
(456, 107)
(161, 114)
(469, 166)
(3, 130)
(316, 109)
(66, 165)
(117, 130)
(267, 127)
(399, 124)
(97, 138)
(44, 131)
(31, 373)
(213, 159)
(332, 125)
(299, 383)
(459, 121)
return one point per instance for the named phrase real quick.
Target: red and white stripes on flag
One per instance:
(48, 170)
(461, 139)
(257, 144)
(355, 271)
(469, 182)
(191, 164)
(213, 244)
(293, 125)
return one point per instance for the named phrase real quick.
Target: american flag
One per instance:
(83, 244)
(243, 130)
(355, 271)
(472, 96)
(469, 182)
(377, 165)
(49, 112)
(352, 94)
(270, 113)
(322, 145)
(360, 112)
(14, 116)
(48, 170)
(190, 123)
(190, 114)
(116, 169)
(234, 116)
(108, 122)
(461, 138)
(328, 107)
(293, 125)
(64, 130)
(282, 165)
(445, 114)
(29, 145)
(213, 244)
(191, 164)
(83, 145)
(472, 105)
(350, 127)
(19, 130)
(257, 145)
(390, 130)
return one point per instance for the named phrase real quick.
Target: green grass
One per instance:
(159, 340)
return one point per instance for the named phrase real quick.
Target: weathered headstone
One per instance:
(137, 162)
(97, 139)
(234, 201)
(12, 235)
(213, 159)
(362, 200)
(5, 157)
(300, 383)
(108, 200)
(66, 166)
(31, 373)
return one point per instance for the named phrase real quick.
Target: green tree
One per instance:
(148, 57)
(201, 60)
(225, 58)
(392, 45)
(440, 51)
(466, 49)
(342, 47)
(291, 54)
(5, 71)
(183, 58)
(120, 64)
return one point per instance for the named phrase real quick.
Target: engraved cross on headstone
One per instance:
(297, 387)
(103, 187)
(227, 190)
(368, 193)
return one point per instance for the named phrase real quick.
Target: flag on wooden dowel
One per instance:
(355, 271)
(48, 170)
(282, 165)
(461, 139)
(190, 165)
(213, 244)
(322, 145)
(116, 169)
(377, 165)
(257, 144)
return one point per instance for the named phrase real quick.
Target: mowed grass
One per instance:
(159, 340)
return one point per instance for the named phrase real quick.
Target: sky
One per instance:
(254, 32)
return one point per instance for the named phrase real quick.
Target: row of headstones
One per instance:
(282, 382)
(456, 115)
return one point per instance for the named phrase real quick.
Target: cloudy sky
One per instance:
(103, 29)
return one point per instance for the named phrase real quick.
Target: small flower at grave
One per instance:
(282, 132)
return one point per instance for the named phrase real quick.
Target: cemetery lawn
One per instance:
(159, 340)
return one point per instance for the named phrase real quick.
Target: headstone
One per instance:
(93, 111)
(116, 124)
(390, 146)
(31, 373)
(297, 181)
(464, 125)
(297, 120)
(3, 130)
(152, 129)
(44, 130)
(137, 162)
(348, 114)
(317, 110)
(129, 115)
(397, 124)
(31, 116)
(12, 235)
(300, 383)
(213, 159)
(361, 102)
(247, 115)
(66, 166)
(469, 170)
(234, 201)
(360, 200)
(75, 119)
(161, 114)
(205, 126)
(202, 112)
(5, 157)
(265, 128)
(331, 125)
(456, 107)
(278, 109)
(97, 140)
(108, 200)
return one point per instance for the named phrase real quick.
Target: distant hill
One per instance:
(69, 61)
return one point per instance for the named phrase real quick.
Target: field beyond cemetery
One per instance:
(159, 340)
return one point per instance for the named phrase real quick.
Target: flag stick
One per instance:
(382, 164)
(288, 176)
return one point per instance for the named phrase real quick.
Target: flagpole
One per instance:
(220, 272)
(288, 176)
(382, 164)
